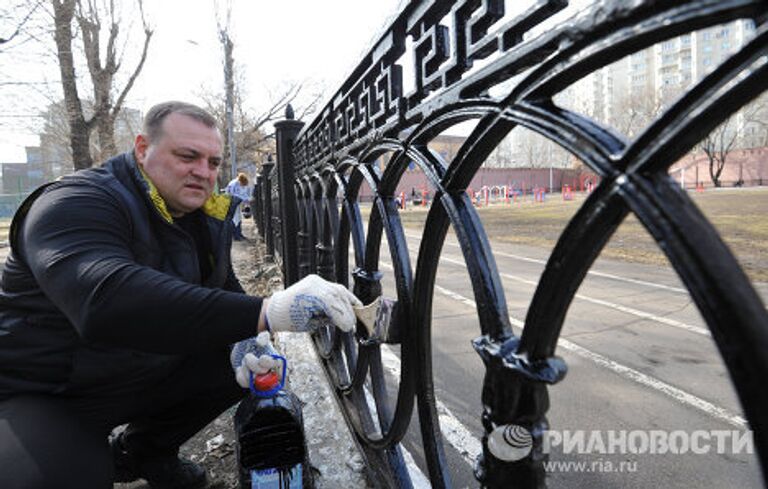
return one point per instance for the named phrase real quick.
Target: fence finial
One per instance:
(289, 112)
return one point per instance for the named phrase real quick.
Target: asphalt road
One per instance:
(639, 358)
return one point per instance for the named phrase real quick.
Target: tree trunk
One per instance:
(715, 169)
(106, 133)
(79, 129)
(229, 84)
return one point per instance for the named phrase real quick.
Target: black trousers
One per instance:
(61, 441)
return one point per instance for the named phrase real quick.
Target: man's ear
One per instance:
(140, 147)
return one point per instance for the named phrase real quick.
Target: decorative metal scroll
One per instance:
(457, 65)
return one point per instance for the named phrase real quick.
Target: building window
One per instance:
(685, 40)
(706, 35)
(670, 80)
(707, 61)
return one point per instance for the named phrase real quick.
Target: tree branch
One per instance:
(20, 25)
(129, 84)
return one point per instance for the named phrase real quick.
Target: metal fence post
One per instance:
(305, 227)
(286, 132)
(258, 208)
(324, 245)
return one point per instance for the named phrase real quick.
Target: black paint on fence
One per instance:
(310, 216)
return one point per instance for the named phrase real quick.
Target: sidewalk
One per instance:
(332, 451)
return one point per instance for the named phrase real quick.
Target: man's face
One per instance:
(182, 163)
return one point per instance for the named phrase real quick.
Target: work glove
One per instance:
(254, 355)
(311, 303)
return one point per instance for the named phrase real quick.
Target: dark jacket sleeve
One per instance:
(76, 241)
(232, 284)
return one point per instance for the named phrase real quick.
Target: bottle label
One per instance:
(277, 479)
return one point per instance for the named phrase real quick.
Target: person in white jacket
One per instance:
(239, 187)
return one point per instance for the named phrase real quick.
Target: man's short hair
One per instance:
(153, 121)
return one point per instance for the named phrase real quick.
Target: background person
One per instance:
(238, 187)
(118, 304)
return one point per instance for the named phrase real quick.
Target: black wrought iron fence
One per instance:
(476, 67)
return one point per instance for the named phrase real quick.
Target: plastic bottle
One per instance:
(257, 354)
(271, 447)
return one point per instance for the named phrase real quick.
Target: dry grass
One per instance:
(740, 215)
(5, 224)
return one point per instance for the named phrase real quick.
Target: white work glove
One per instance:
(310, 303)
(254, 355)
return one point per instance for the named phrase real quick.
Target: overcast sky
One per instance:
(276, 42)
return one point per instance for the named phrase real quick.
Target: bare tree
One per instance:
(502, 156)
(223, 29)
(79, 128)
(756, 123)
(717, 145)
(55, 135)
(634, 110)
(532, 150)
(102, 75)
(253, 133)
(13, 19)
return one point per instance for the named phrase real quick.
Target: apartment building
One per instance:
(656, 76)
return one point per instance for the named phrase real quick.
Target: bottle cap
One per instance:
(266, 381)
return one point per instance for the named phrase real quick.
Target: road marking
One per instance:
(595, 273)
(625, 309)
(418, 479)
(637, 376)
(466, 444)
(612, 305)
(678, 394)
(452, 429)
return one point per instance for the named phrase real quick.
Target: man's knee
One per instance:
(43, 444)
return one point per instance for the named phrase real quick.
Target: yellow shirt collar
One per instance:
(217, 205)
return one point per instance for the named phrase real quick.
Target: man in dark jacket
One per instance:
(118, 304)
